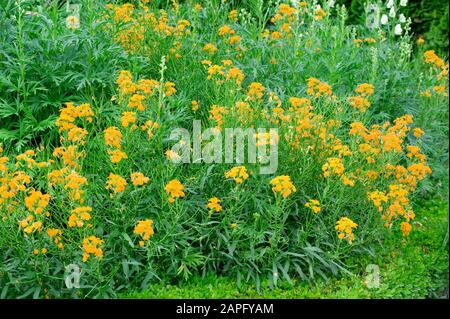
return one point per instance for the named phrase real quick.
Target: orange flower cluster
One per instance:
(135, 95)
(361, 102)
(283, 18)
(139, 179)
(216, 113)
(333, 166)
(230, 36)
(145, 230)
(394, 202)
(317, 88)
(116, 183)
(55, 235)
(432, 58)
(284, 12)
(194, 105)
(255, 91)
(238, 173)
(70, 113)
(66, 179)
(29, 224)
(113, 138)
(243, 112)
(314, 205)
(37, 202)
(236, 75)
(26, 159)
(79, 216)
(282, 184)
(67, 124)
(344, 227)
(320, 14)
(442, 77)
(213, 204)
(210, 48)
(233, 15)
(224, 72)
(136, 27)
(358, 42)
(92, 247)
(174, 189)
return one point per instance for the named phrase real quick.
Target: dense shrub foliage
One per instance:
(44, 64)
(429, 20)
(361, 125)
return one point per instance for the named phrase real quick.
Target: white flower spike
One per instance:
(392, 12)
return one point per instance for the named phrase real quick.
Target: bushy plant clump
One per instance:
(111, 199)
(45, 62)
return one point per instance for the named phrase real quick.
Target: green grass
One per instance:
(412, 268)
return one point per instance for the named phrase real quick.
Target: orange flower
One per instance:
(116, 183)
(92, 246)
(314, 205)
(113, 137)
(365, 89)
(213, 204)
(128, 118)
(317, 88)
(169, 88)
(210, 48)
(139, 179)
(144, 229)
(406, 228)
(255, 91)
(283, 184)
(238, 173)
(344, 227)
(174, 189)
(79, 215)
(117, 155)
(137, 102)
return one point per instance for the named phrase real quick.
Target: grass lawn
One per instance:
(413, 268)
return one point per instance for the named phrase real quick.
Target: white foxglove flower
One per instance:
(331, 3)
(384, 19)
(390, 4)
(403, 3)
(392, 12)
(398, 29)
(402, 18)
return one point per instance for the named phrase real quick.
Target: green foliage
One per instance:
(429, 19)
(44, 64)
(417, 268)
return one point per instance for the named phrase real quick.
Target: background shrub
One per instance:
(44, 64)
(429, 19)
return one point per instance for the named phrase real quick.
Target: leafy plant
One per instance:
(45, 64)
